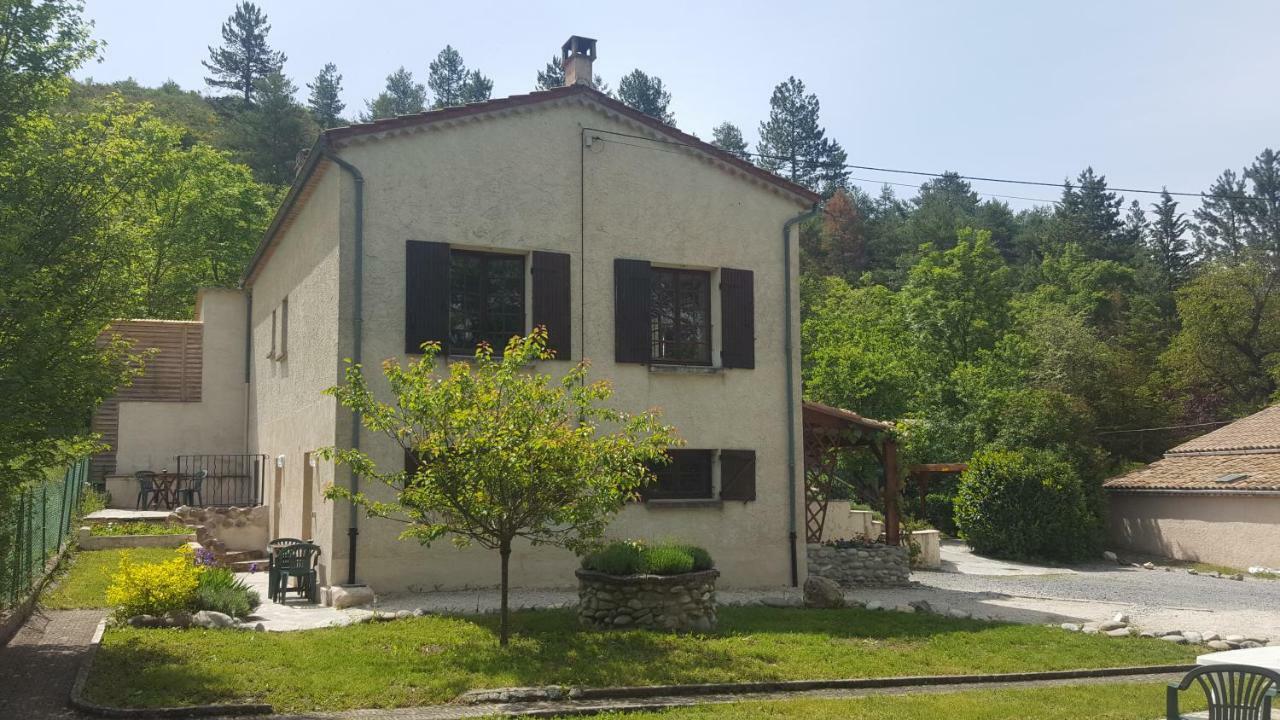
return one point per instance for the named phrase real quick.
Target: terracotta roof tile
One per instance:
(1259, 431)
(1200, 472)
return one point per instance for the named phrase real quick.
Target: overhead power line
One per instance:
(922, 173)
(1166, 427)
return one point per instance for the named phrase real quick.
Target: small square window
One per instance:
(486, 300)
(687, 476)
(680, 317)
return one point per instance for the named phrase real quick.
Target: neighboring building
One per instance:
(1214, 499)
(667, 262)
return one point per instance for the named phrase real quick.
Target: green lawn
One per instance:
(433, 659)
(83, 584)
(1085, 702)
(114, 529)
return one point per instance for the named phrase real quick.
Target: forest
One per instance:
(1099, 328)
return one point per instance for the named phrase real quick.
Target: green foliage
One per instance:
(1026, 504)
(268, 135)
(121, 529)
(325, 101)
(40, 44)
(647, 94)
(503, 451)
(402, 96)
(91, 501)
(245, 59)
(88, 573)
(221, 591)
(153, 588)
(633, 557)
(453, 84)
(728, 137)
(794, 144)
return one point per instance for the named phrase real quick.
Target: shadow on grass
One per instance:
(161, 676)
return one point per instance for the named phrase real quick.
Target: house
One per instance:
(1214, 499)
(670, 264)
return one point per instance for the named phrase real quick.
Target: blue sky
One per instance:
(1149, 93)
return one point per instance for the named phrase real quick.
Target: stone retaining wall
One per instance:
(680, 603)
(86, 540)
(226, 528)
(861, 566)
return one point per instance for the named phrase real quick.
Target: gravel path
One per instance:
(39, 664)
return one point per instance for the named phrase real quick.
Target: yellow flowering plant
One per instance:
(154, 588)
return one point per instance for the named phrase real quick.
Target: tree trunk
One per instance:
(504, 624)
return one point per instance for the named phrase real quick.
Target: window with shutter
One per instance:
(687, 476)
(426, 309)
(486, 300)
(737, 318)
(551, 301)
(632, 289)
(738, 475)
(680, 316)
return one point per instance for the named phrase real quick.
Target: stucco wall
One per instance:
(153, 433)
(1233, 530)
(513, 183)
(291, 417)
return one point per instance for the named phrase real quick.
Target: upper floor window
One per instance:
(486, 300)
(680, 316)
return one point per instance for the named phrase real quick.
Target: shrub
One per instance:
(153, 588)
(221, 591)
(1025, 504)
(637, 558)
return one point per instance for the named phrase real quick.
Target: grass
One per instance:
(112, 529)
(1204, 568)
(84, 582)
(1126, 701)
(433, 659)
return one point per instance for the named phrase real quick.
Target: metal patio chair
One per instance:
(1235, 692)
(296, 561)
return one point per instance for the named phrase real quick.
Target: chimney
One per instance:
(577, 54)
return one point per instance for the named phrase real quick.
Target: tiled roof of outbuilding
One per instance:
(1259, 431)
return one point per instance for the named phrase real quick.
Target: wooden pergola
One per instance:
(829, 432)
(922, 474)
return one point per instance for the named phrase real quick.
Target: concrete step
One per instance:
(244, 566)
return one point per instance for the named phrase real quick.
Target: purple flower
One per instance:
(253, 567)
(206, 558)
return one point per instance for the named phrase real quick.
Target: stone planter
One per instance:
(678, 603)
(861, 566)
(87, 541)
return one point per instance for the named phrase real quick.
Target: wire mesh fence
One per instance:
(34, 526)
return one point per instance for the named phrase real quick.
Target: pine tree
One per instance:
(1167, 243)
(553, 77)
(646, 93)
(1222, 219)
(1263, 218)
(325, 101)
(403, 96)
(1092, 213)
(1134, 229)
(452, 83)
(728, 137)
(244, 59)
(794, 145)
(272, 132)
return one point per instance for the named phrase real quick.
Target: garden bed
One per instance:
(681, 603)
(119, 535)
(436, 658)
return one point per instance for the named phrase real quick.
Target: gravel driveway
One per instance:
(1156, 599)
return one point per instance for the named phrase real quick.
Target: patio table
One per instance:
(163, 487)
(1263, 657)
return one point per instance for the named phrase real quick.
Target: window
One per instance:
(284, 329)
(687, 476)
(486, 300)
(680, 316)
(271, 354)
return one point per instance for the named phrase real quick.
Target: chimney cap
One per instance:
(578, 45)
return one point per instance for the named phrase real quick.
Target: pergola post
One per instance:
(892, 488)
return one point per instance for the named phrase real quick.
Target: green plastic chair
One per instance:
(296, 561)
(273, 580)
(1235, 692)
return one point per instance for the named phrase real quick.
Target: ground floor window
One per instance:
(687, 476)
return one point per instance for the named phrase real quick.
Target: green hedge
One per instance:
(637, 558)
(1025, 504)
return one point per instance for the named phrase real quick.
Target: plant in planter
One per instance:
(665, 586)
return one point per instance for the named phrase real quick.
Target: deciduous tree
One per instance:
(40, 43)
(496, 451)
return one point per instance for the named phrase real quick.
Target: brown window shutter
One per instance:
(551, 301)
(632, 294)
(737, 318)
(738, 475)
(426, 295)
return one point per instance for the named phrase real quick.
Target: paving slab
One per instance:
(114, 515)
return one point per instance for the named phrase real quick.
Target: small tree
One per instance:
(503, 452)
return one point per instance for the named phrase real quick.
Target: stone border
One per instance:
(78, 702)
(87, 541)
(543, 694)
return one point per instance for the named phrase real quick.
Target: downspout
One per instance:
(357, 332)
(248, 378)
(791, 391)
